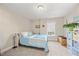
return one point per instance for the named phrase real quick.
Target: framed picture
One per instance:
(37, 26)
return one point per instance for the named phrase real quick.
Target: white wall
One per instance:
(10, 23)
(43, 30)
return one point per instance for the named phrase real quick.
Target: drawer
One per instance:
(69, 37)
(69, 47)
(69, 34)
(75, 52)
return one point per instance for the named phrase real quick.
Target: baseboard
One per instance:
(6, 49)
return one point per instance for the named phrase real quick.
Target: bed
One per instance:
(35, 40)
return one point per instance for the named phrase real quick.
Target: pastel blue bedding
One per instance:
(41, 36)
(37, 40)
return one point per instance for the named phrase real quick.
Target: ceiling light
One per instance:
(40, 7)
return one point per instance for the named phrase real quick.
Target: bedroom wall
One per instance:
(9, 24)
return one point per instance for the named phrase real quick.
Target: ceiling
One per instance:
(30, 10)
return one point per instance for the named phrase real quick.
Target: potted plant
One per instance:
(71, 26)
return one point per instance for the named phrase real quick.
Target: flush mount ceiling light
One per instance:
(40, 7)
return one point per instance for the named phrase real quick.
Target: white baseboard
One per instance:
(6, 49)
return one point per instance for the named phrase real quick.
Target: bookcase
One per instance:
(73, 41)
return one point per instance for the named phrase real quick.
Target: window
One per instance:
(51, 28)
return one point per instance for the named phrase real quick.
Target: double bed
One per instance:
(35, 40)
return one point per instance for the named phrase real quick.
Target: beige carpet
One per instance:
(55, 49)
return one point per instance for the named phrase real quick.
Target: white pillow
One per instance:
(24, 33)
(30, 34)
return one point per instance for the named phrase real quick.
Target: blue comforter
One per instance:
(28, 41)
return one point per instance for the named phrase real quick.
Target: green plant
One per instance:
(71, 26)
